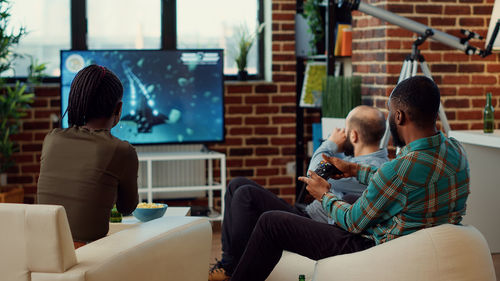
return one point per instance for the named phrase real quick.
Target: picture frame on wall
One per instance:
(314, 79)
(313, 84)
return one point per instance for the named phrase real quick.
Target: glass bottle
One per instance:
(302, 277)
(115, 215)
(488, 115)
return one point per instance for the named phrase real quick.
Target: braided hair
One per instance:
(94, 93)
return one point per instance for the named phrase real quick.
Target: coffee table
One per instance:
(131, 221)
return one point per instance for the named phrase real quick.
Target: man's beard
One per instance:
(348, 147)
(396, 139)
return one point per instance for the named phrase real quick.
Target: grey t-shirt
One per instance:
(87, 171)
(342, 186)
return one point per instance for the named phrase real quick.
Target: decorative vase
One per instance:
(242, 75)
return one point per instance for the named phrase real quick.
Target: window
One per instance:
(211, 25)
(124, 24)
(136, 24)
(47, 23)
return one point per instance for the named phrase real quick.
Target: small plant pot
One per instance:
(242, 75)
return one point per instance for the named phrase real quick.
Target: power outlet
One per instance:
(290, 168)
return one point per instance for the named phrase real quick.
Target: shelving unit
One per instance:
(209, 156)
(329, 57)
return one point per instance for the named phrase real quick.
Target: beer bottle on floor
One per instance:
(302, 277)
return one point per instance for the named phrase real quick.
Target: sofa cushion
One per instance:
(301, 265)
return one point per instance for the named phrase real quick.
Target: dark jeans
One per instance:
(277, 231)
(245, 201)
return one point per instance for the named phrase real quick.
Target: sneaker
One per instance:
(217, 272)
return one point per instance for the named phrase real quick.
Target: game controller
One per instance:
(327, 170)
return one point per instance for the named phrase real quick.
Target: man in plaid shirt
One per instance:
(426, 185)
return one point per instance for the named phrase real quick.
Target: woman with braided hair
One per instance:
(84, 168)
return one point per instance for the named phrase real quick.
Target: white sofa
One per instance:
(36, 245)
(445, 253)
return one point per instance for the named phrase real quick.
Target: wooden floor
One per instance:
(216, 249)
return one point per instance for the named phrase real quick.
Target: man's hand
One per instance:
(348, 169)
(339, 137)
(316, 185)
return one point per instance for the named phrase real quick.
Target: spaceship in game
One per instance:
(143, 112)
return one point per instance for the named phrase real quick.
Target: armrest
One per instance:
(169, 248)
(446, 252)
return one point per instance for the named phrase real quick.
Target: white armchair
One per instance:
(36, 245)
(445, 253)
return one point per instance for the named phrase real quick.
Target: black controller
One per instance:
(327, 170)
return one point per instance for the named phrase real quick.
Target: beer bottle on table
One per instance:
(489, 115)
(115, 215)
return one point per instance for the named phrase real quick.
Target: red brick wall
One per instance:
(380, 48)
(260, 116)
(33, 130)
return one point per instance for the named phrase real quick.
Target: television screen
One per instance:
(168, 96)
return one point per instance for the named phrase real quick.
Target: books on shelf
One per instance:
(346, 49)
(343, 40)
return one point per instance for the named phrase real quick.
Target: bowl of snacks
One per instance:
(149, 211)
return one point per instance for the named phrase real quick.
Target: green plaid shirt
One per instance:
(426, 185)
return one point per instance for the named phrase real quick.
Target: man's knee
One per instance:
(235, 183)
(274, 218)
(245, 193)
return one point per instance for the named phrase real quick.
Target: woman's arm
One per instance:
(127, 198)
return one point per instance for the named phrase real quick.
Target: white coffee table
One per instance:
(131, 221)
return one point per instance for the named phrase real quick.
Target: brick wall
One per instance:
(380, 48)
(33, 130)
(260, 116)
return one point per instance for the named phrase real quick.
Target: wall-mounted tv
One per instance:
(168, 96)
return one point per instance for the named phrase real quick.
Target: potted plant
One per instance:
(12, 105)
(245, 42)
(314, 13)
(13, 99)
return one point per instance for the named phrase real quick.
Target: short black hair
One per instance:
(371, 130)
(94, 93)
(419, 97)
